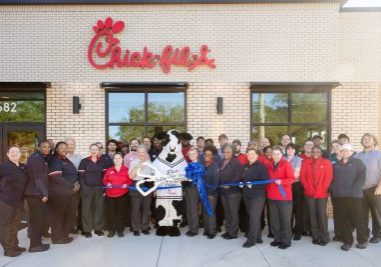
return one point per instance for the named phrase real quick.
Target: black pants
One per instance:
(62, 215)
(280, 216)
(191, 198)
(243, 218)
(140, 211)
(351, 215)
(299, 213)
(38, 212)
(318, 218)
(231, 203)
(92, 208)
(9, 223)
(336, 218)
(116, 212)
(372, 203)
(254, 207)
(210, 223)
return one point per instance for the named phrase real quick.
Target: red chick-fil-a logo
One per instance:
(104, 52)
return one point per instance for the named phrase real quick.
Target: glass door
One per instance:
(24, 136)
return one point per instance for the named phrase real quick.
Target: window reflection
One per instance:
(126, 107)
(269, 107)
(166, 107)
(309, 107)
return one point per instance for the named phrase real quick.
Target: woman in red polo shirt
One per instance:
(316, 176)
(280, 206)
(116, 179)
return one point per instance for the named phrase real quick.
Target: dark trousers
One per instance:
(299, 211)
(191, 197)
(351, 215)
(92, 208)
(61, 207)
(231, 203)
(254, 207)
(116, 212)
(210, 223)
(318, 217)
(140, 211)
(9, 223)
(243, 218)
(219, 214)
(372, 203)
(280, 217)
(38, 212)
(336, 218)
(76, 209)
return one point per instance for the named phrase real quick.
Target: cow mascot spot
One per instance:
(170, 162)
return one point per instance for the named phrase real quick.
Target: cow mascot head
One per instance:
(169, 201)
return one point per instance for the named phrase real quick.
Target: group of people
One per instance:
(66, 193)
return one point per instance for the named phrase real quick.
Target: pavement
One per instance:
(195, 251)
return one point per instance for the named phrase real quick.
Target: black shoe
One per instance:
(40, 248)
(191, 234)
(337, 238)
(99, 233)
(362, 246)
(274, 243)
(111, 234)
(64, 240)
(136, 233)
(297, 237)
(146, 232)
(259, 240)
(210, 236)
(375, 240)
(224, 235)
(248, 244)
(283, 246)
(12, 253)
(121, 234)
(315, 241)
(229, 237)
(21, 249)
(87, 234)
(323, 243)
(345, 247)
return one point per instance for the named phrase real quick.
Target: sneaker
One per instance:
(40, 248)
(274, 243)
(120, 234)
(345, 247)
(99, 233)
(146, 232)
(362, 246)
(191, 234)
(297, 237)
(283, 246)
(87, 234)
(136, 233)
(248, 244)
(12, 253)
(111, 233)
(375, 240)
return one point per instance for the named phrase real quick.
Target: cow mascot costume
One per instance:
(168, 172)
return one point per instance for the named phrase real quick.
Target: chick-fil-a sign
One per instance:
(105, 52)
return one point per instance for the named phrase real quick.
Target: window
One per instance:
(144, 113)
(302, 114)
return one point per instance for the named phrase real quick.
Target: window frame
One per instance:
(146, 91)
(289, 89)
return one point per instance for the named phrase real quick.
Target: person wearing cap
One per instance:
(316, 177)
(186, 146)
(349, 176)
(372, 188)
(280, 205)
(140, 205)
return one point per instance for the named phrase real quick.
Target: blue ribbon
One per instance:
(195, 172)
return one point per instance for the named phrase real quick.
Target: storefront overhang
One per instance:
(24, 86)
(137, 2)
(137, 85)
(302, 86)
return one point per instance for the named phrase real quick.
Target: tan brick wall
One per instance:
(355, 110)
(86, 127)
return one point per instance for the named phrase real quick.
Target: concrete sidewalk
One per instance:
(184, 251)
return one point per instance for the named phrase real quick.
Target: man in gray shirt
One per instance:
(372, 188)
